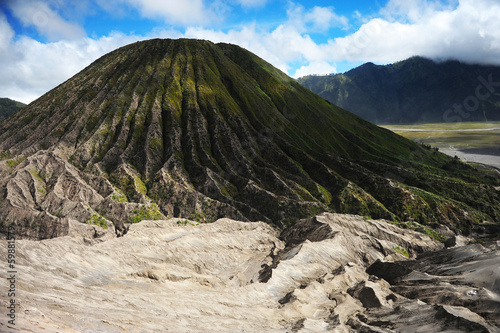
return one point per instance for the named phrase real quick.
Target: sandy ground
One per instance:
(395, 129)
(483, 156)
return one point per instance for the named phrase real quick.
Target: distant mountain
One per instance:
(9, 107)
(191, 129)
(416, 90)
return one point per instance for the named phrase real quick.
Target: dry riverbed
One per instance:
(471, 142)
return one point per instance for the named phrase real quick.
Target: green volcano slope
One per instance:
(188, 128)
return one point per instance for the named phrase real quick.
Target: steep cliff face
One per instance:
(188, 128)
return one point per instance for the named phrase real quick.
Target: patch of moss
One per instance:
(156, 144)
(402, 251)
(151, 212)
(4, 155)
(119, 196)
(58, 213)
(185, 222)
(433, 234)
(92, 122)
(98, 220)
(15, 162)
(42, 190)
(38, 175)
(326, 195)
(198, 217)
(128, 185)
(140, 186)
(415, 226)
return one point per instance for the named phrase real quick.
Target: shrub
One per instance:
(402, 251)
(97, 220)
(119, 196)
(145, 213)
(15, 162)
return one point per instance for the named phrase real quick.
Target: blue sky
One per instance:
(45, 42)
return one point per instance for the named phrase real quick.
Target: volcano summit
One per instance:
(191, 129)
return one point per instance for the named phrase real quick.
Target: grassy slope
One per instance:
(318, 126)
(210, 107)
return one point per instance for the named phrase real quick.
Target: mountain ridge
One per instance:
(192, 129)
(416, 90)
(9, 107)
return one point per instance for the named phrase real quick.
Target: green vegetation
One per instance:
(460, 136)
(140, 186)
(98, 220)
(5, 155)
(119, 196)
(42, 190)
(198, 217)
(185, 222)
(415, 226)
(205, 214)
(127, 186)
(15, 162)
(145, 213)
(401, 251)
(37, 175)
(185, 122)
(156, 144)
(9, 107)
(442, 126)
(58, 213)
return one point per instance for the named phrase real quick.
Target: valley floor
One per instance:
(489, 157)
(475, 142)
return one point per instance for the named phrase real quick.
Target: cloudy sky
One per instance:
(45, 42)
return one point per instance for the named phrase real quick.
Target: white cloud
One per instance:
(287, 43)
(323, 18)
(34, 67)
(183, 12)
(259, 42)
(280, 47)
(469, 32)
(30, 68)
(319, 68)
(317, 19)
(6, 33)
(414, 10)
(47, 21)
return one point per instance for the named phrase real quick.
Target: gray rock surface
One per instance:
(44, 192)
(180, 276)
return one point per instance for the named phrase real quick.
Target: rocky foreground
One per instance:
(333, 272)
